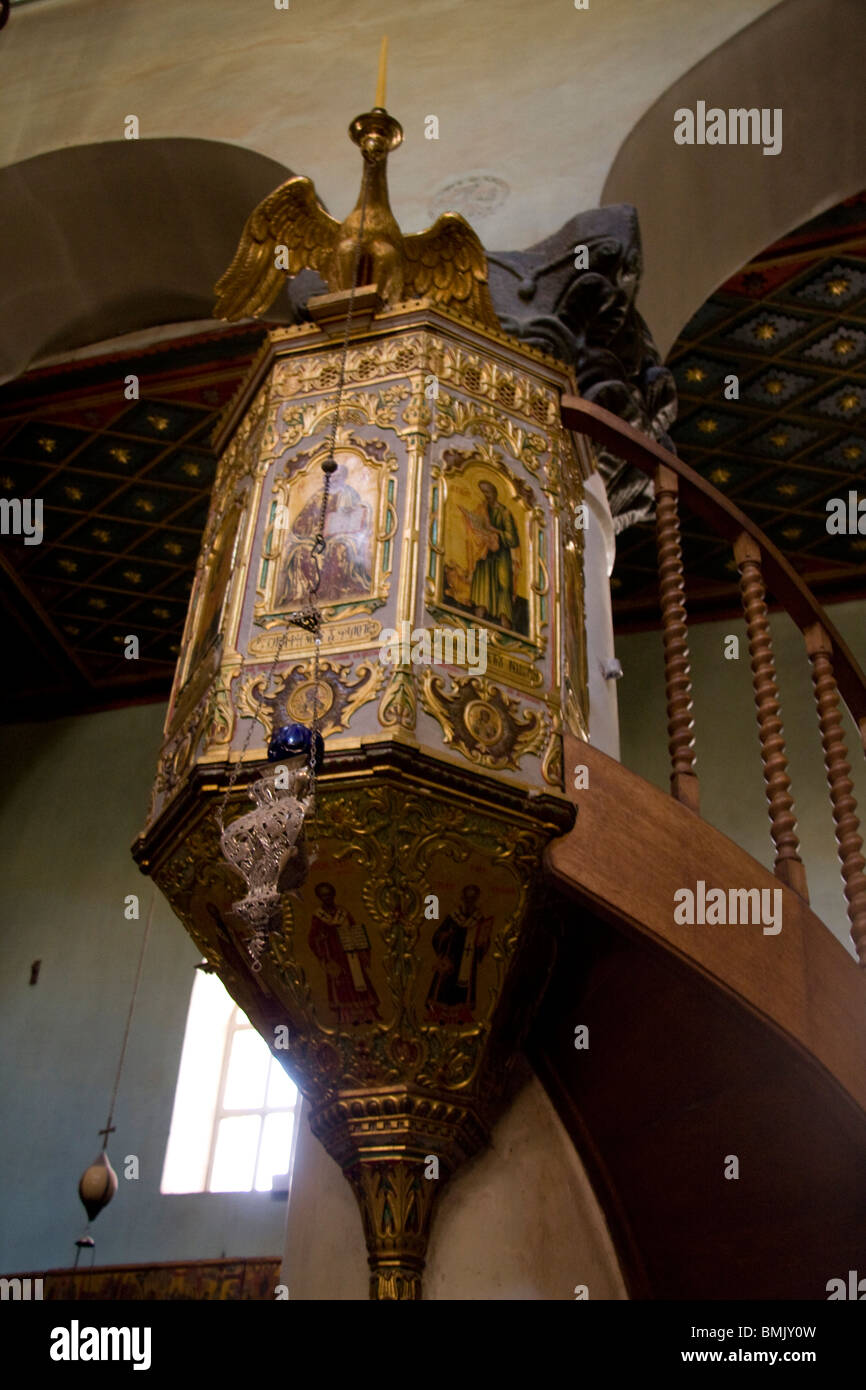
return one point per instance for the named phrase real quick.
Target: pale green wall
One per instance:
(74, 795)
(728, 752)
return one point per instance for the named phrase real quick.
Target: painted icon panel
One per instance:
(486, 550)
(352, 569)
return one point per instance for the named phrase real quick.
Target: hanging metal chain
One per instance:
(329, 467)
(310, 618)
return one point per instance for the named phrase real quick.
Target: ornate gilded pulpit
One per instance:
(406, 954)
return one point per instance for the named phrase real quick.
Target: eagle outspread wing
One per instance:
(291, 216)
(447, 264)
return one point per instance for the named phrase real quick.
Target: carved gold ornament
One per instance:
(340, 691)
(398, 705)
(551, 763)
(481, 721)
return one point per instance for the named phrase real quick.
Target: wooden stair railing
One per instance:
(834, 669)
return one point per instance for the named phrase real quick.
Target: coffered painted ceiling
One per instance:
(125, 487)
(125, 483)
(791, 327)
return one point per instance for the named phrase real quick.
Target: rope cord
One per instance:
(108, 1123)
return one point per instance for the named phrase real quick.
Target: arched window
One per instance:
(235, 1110)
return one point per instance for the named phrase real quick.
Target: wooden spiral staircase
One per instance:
(712, 1043)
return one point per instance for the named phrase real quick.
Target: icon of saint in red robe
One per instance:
(343, 947)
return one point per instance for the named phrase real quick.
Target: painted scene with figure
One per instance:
(486, 548)
(349, 532)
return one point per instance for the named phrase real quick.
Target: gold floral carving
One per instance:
(248, 451)
(481, 722)
(341, 691)
(456, 416)
(294, 421)
(505, 388)
(220, 715)
(576, 704)
(497, 388)
(396, 1203)
(402, 354)
(303, 373)
(551, 762)
(397, 1191)
(204, 634)
(210, 724)
(398, 705)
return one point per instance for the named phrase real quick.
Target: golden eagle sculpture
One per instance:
(291, 231)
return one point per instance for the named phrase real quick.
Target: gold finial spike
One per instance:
(383, 65)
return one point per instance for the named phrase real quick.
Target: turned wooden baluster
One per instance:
(678, 685)
(783, 822)
(820, 649)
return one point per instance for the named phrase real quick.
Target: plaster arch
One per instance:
(707, 210)
(105, 239)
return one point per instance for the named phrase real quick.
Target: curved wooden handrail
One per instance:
(799, 602)
(801, 978)
(834, 669)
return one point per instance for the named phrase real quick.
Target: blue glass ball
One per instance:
(293, 739)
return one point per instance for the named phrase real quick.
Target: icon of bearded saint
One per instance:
(492, 536)
(460, 942)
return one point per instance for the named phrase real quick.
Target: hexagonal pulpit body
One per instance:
(407, 953)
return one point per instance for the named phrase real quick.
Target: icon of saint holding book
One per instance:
(343, 947)
(493, 535)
